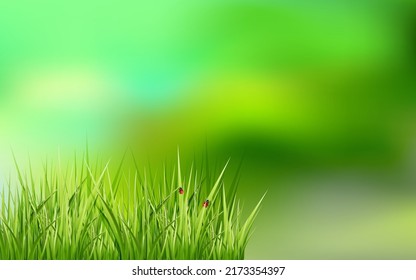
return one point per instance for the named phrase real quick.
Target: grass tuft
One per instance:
(85, 213)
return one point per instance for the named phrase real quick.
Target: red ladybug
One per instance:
(181, 191)
(206, 202)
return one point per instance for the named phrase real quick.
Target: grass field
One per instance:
(85, 211)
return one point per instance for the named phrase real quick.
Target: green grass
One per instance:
(84, 212)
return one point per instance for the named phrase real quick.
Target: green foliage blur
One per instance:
(318, 97)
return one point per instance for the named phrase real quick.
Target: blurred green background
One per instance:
(319, 97)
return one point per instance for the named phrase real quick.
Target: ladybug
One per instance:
(181, 191)
(206, 202)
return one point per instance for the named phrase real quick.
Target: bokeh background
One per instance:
(319, 97)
